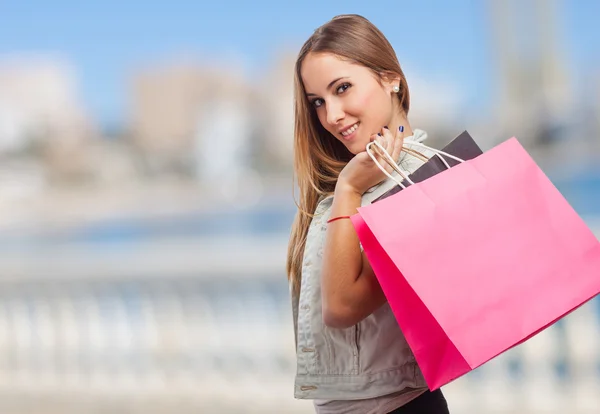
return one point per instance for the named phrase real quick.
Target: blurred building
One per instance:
(163, 109)
(42, 113)
(535, 96)
(596, 115)
(193, 121)
(276, 86)
(173, 108)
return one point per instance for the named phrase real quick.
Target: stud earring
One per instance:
(396, 89)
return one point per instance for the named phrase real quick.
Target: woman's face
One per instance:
(348, 98)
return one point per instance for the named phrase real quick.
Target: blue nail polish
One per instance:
(401, 128)
(378, 134)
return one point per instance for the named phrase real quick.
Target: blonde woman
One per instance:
(351, 354)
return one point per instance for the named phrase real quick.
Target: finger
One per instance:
(381, 140)
(376, 138)
(391, 143)
(381, 149)
(386, 140)
(375, 148)
(389, 139)
(398, 143)
(372, 138)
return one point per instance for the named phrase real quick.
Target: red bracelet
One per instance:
(337, 218)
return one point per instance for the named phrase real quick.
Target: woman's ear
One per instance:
(390, 81)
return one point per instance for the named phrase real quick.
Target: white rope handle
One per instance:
(443, 160)
(392, 163)
(390, 160)
(436, 151)
(423, 157)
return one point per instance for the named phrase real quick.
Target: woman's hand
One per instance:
(361, 173)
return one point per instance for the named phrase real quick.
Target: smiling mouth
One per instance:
(350, 130)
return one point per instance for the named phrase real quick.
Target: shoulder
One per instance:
(323, 205)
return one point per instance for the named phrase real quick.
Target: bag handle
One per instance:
(390, 161)
(436, 151)
(423, 157)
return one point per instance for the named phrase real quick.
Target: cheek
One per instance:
(369, 104)
(378, 107)
(360, 103)
(370, 98)
(322, 115)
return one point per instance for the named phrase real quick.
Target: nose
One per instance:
(335, 112)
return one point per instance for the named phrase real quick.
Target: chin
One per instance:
(354, 149)
(357, 147)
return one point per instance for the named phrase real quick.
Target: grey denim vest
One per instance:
(368, 360)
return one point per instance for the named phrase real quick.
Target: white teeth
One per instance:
(350, 130)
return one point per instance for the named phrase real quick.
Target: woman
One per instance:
(351, 354)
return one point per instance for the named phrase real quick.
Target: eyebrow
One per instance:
(329, 86)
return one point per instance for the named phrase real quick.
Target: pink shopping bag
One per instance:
(478, 258)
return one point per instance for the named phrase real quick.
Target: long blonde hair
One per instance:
(318, 156)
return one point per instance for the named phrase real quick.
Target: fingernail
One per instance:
(386, 127)
(378, 134)
(401, 128)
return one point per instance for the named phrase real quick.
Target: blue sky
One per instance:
(440, 40)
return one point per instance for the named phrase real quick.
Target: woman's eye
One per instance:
(342, 87)
(317, 102)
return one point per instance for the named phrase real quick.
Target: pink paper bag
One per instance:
(478, 258)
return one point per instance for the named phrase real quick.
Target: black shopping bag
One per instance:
(463, 147)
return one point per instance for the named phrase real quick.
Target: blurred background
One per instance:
(146, 191)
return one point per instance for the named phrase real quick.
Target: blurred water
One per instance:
(582, 190)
